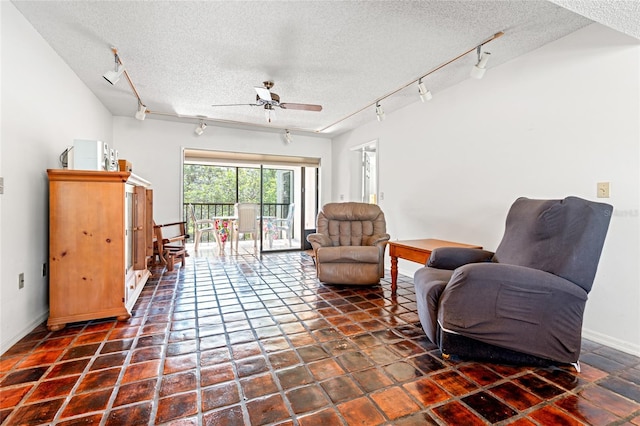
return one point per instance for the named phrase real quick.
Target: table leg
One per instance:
(394, 274)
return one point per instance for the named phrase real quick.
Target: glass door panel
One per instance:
(279, 221)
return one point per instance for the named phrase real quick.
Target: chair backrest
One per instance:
(289, 218)
(348, 223)
(246, 217)
(192, 214)
(562, 237)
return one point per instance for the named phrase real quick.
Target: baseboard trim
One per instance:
(612, 342)
(7, 344)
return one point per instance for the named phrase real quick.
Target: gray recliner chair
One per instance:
(524, 303)
(349, 243)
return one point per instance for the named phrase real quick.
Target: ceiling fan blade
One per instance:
(263, 93)
(302, 107)
(228, 105)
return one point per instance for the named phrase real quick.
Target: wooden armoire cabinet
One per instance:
(100, 239)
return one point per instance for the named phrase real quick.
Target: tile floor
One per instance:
(241, 341)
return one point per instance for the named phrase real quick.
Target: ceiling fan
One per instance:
(269, 100)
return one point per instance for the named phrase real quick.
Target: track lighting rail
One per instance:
(404, 86)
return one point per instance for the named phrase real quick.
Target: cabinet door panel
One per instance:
(139, 235)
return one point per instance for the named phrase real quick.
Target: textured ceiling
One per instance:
(184, 56)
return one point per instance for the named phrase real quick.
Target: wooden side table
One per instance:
(416, 251)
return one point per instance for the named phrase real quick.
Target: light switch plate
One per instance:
(603, 189)
(1, 185)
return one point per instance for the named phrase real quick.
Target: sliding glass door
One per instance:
(284, 192)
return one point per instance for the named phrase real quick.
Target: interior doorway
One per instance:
(364, 172)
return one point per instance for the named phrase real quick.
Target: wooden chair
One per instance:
(170, 243)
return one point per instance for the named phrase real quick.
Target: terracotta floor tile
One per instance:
(38, 413)
(108, 361)
(267, 410)
(99, 380)
(551, 415)
(515, 396)
(454, 413)
(135, 392)
(175, 364)
(216, 374)
(40, 358)
(479, 374)
(361, 411)
(489, 407)
(55, 344)
(585, 411)
(249, 339)
(402, 371)
(293, 377)
(341, 389)
(23, 376)
(249, 366)
(11, 397)
(608, 400)
(372, 379)
(454, 383)
(622, 387)
(538, 386)
(87, 403)
(176, 406)
(395, 402)
(220, 395)
(232, 416)
(426, 391)
(91, 419)
(138, 414)
(178, 383)
(307, 398)
(325, 369)
(312, 353)
(324, 417)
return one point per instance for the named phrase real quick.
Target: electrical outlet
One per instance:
(44, 269)
(21, 280)
(603, 190)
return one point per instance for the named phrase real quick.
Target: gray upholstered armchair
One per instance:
(525, 302)
(349, 243)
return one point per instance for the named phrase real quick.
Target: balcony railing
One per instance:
(211, 210)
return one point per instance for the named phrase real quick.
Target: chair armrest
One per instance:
(375, 239)
(453, 257)
(318, 240)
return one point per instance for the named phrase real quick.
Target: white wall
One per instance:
(546, 125)
(44, 107)
(154, 148)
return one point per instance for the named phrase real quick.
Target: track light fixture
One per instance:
(269, 113)
(287, 136)
(200, 129)
(479, 69)
(379, 112)
(425, 94)
(112, 76)
(141, 113)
